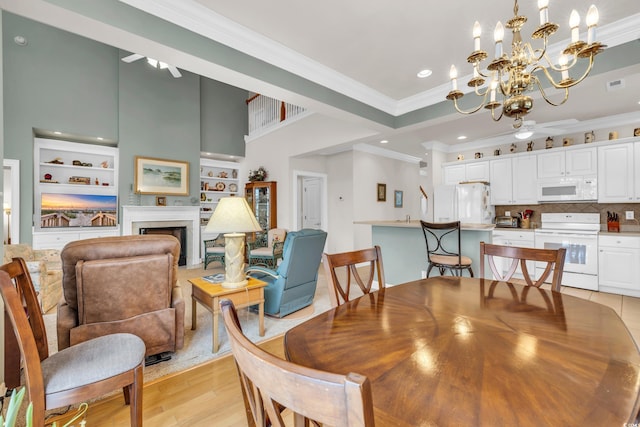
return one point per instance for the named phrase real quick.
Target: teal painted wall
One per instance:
(221, 131)
(159, 117)
(61, 81)
(58, 81)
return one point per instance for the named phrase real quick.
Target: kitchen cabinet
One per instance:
(512, 237)
(512, 180)
(262, 198)
(474, 171)
(75, 191)
(619, 264)
(616, 174)
(217, 179)
(562, 163)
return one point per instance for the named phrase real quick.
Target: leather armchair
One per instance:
(44, 268)
(122, 284)
(292, 285)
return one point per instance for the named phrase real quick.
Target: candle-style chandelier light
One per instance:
(514, 75)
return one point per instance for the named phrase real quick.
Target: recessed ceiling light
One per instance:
(384, 141)
(57, 132)
(424, 73)
(100, 138)
(20, 41)
(461, 137)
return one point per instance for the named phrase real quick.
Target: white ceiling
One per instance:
(371, 52)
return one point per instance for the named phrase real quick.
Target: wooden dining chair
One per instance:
(270, 383)
(443, 248)
(553, 257)
(76, 374)
(340, 285)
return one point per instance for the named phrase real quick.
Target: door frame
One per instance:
(14, 167)
(297, 200)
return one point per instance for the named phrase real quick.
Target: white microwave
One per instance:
(583, 188)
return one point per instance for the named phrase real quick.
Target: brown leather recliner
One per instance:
(122, 284)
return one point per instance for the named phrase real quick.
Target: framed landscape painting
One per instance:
(159, 176)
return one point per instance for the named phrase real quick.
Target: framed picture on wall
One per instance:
(382, 192)
(161, 201)
(159, 176)
(397, 199)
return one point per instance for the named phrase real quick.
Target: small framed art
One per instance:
(397, 199)
(161, 201)
(382, 192)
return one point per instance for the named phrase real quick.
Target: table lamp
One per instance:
(233, 217)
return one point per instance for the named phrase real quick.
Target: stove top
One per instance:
(570, 221)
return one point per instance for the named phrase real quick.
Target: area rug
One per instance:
(198, 343)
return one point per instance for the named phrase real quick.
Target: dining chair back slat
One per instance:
(340, 284)
(554, 259)
(271, 383)
(85, 371)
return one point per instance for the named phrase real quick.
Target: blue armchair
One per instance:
(293, 285)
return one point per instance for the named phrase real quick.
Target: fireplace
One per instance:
(135, 218)
(179, 233)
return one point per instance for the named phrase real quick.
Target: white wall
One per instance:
(369, 170)
(352, 189)
(340, 202)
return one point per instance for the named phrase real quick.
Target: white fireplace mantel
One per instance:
(134, 217)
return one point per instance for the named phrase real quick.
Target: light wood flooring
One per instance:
(210, 395)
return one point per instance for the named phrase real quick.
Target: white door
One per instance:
(311, 202)
(11, 201)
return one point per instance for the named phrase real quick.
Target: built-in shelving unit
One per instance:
(75, 192)
(217, 179)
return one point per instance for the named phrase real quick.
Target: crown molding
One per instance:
(383, 152)
(201, 20)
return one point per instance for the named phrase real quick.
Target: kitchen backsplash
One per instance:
(619, 208)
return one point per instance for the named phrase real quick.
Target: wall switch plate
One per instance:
(629, 214)
(507, 213)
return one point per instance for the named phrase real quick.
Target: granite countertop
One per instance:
(416, 224)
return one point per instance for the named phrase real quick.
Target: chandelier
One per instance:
(512, 76)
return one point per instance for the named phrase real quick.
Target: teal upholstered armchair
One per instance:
(292, 285)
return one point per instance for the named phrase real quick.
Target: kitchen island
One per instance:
(404, 251)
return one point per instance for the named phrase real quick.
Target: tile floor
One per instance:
(628, 308)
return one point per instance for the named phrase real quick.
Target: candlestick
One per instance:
(574, 24)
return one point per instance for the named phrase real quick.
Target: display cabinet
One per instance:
(262, 197)
(217, 179)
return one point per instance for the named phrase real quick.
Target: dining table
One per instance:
(459, 351)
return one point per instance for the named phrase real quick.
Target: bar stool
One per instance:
(443, 248)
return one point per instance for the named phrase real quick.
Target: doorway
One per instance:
(310, 200)
(11, 201)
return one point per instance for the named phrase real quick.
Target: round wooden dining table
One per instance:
(455, 351)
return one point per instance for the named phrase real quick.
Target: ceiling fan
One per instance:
(531, 130)
(154, 63)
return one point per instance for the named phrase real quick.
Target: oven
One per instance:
(578, 234)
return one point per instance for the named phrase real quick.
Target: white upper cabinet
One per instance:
(562, 163)
(457, 173)
(513, 180)
(616, 174)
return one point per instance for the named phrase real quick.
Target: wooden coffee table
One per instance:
(209, 295)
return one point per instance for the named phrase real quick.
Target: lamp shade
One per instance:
(232, 215)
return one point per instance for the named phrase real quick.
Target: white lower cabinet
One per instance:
(619, 264)
(515, 237)
(58, 239)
